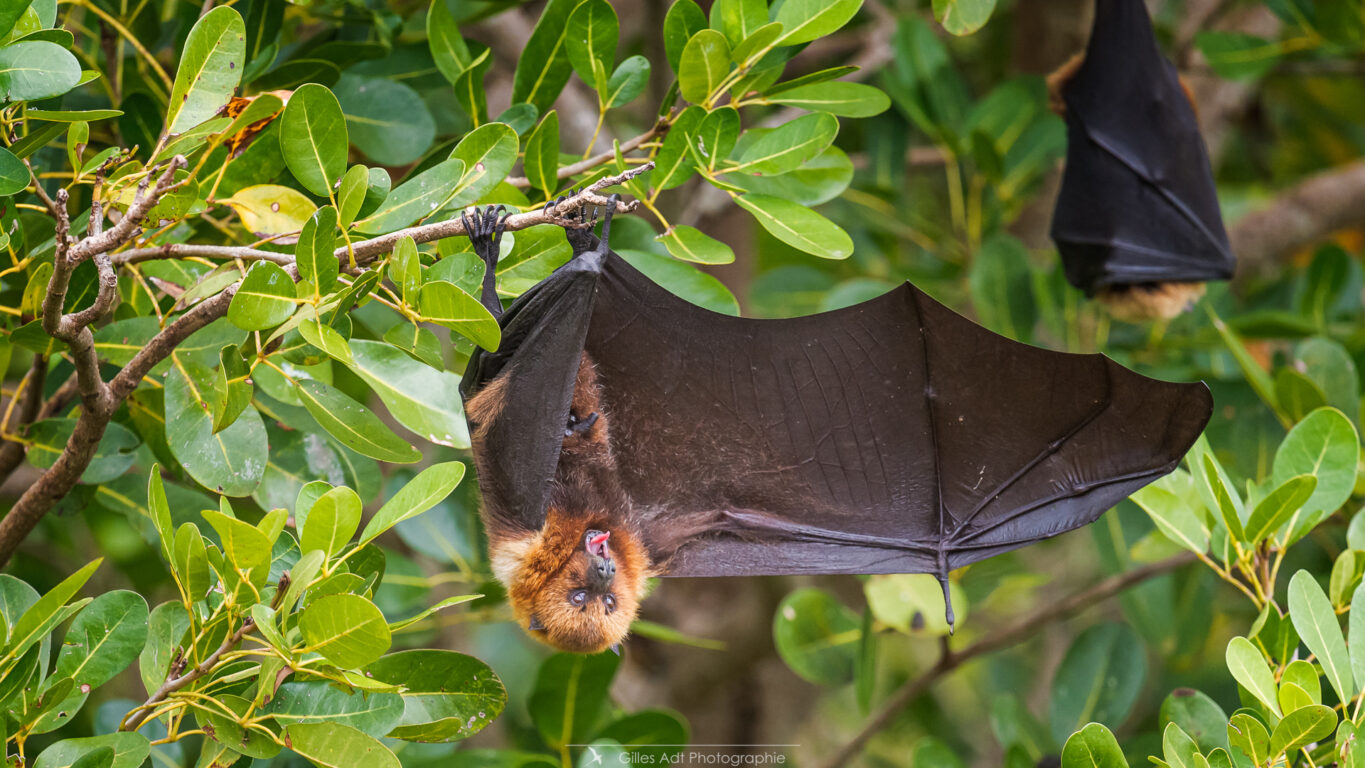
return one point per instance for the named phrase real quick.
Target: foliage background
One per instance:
(950, 187)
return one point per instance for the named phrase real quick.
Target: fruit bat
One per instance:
(620, 432)
(1137, 220)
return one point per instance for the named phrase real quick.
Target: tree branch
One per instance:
(173, 684)
(996, 641)
(1297, 217)
(130, 225)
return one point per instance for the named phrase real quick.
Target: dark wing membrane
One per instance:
(892, 436)
(542, 340)
(1137, 202)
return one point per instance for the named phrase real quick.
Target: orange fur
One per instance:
(541, 569)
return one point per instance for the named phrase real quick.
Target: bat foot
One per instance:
(485, 232)
(577, 425)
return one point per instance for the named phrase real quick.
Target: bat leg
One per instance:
(485, 234)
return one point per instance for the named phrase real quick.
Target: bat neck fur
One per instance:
(541, 569)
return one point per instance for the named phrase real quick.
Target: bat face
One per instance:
(575, 586)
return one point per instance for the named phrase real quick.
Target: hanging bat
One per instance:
(1137, 220)
(621, 432)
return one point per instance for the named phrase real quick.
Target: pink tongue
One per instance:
(600, 540)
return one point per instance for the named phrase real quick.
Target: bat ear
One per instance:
(536, 625)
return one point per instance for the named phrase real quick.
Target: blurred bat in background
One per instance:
(1137, 220)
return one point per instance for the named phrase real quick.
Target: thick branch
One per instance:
(1299, 216)
(997, 641)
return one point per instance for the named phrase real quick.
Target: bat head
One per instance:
(579, 585)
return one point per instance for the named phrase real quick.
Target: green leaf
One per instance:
(1249, 736)
(1317, 625)
(590, 39)
(232, 388)
(1302, 727)
(1236, 55)
(10, 13)
(1098, 680)
(818, 181)
(798, 226)
(817, 636)
(1346, 575)
(44, 615)
(446, 304)
(1224, 502)
(246, 547)
(627, 82)
(715, 137)
(842, 99)
(166, 626)
(447, 696)
(210, 68)
(347, 630)
(317, 701)
(189, 558)
(421, 398)
(1198, 716)
(738, 19)
(805, 20)
(333, 745)
(684, 281)
(269, 209)
(315, 251)
(448, 48)
(265, 298)
(704, 63)
(106, 636)
(1178, 748)
(354, 425)
(13, 173)
(30, 71)
(116, 452)
(437, 608)
(313, 138)
(1296, 394)
(542, 154)
(231, 461)
(789, 146)
(1249, 668)
(1093, 747)
(1279, 506)
(683, 20)
(912, 603)
(488, 152)
(963, 17)
(327, 339)
(351, 194)
(543, 68)
(570, 695)
(691, 244)
(130, 750)
(386, 119)
(420, 494)
(1001, 287)
(1329, 365)
(415, 198)
(1323, 444)
(332, 521)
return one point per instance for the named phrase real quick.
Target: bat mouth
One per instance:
(595, 542)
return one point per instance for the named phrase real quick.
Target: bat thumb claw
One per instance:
(615, 648)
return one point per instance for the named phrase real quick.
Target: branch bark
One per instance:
(172, 684)
(1019, 632)
(1299, 216)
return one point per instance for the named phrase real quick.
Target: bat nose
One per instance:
(602, 571)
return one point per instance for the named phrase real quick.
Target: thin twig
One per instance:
(629, 145)
(996, 641)
(176, 683)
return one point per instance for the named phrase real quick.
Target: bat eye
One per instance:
(578, 596)
(609, 601)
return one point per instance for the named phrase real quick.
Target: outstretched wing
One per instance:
(891, 436)
(1137, 202)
